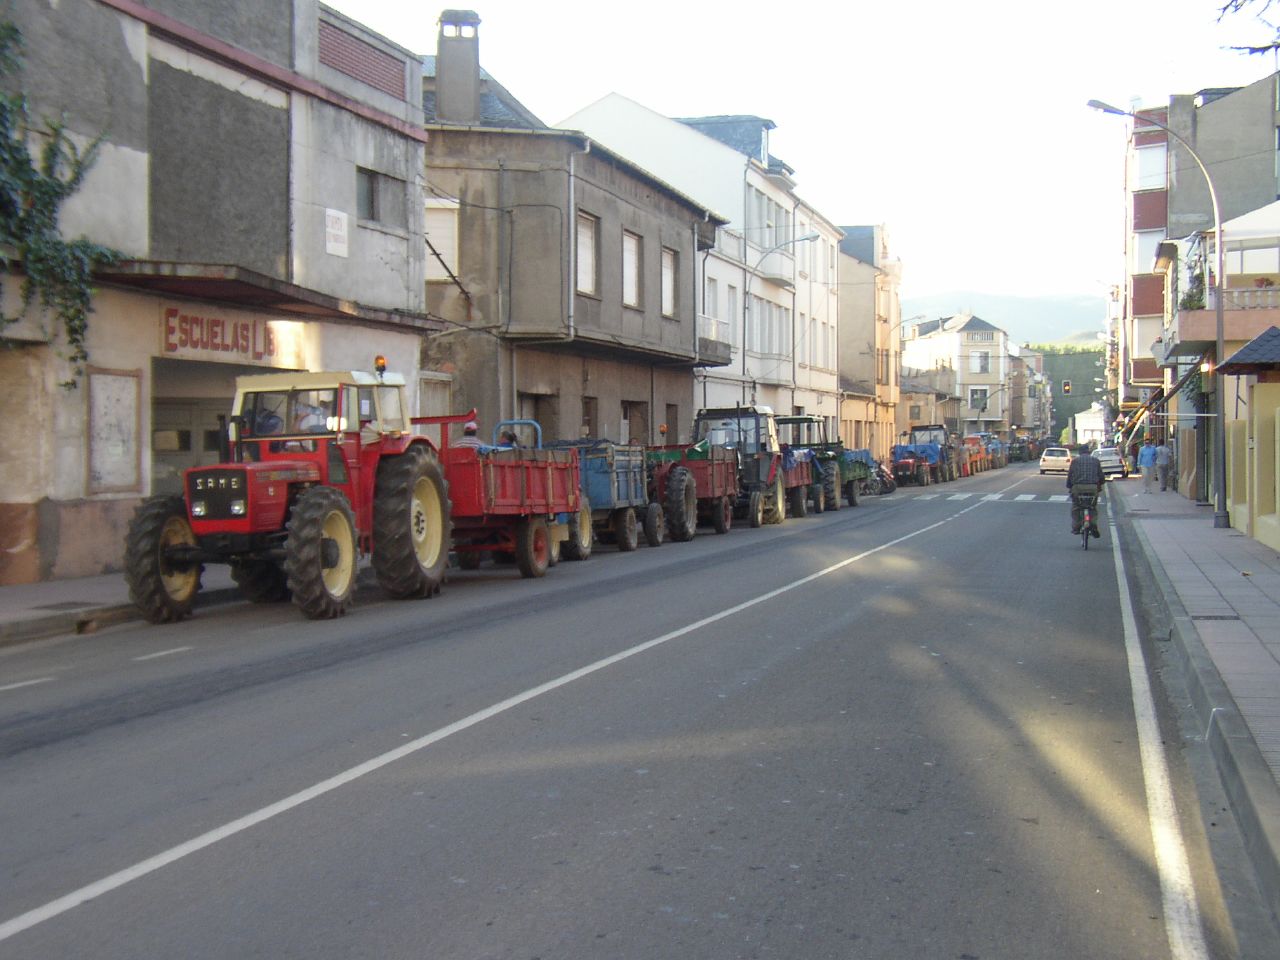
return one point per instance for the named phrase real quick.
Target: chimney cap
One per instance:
(460, 18)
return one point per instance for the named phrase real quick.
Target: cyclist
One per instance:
(1084, 479)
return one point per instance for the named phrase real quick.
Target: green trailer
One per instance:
(840, 472)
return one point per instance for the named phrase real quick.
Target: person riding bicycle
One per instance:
(1084, 480)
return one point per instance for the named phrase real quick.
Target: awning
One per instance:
(1159, 397)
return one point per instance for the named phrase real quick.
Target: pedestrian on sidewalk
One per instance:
(1147, 463)
(1164, 461)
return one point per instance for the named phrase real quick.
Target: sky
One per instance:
(960, 126)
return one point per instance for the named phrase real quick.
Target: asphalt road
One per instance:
(903, 730)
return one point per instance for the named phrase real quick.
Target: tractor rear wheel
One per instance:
(755, 509)
(681, 504)
(775, 501)
(831, 486)
(260, 581)
(411, 524)
(533, 547)
(722, 514)
(164, 593)
(625, 529)
(655, 525)
(320, 553)
(581, 534)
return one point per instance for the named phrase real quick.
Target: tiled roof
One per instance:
(741, 131)
(1259, 354)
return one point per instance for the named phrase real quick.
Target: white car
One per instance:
(1113, 464)
(1055, 460)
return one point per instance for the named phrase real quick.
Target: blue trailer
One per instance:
(616, 504)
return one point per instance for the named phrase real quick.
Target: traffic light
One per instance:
(1066, 386)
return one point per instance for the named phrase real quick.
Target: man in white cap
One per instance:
(470, 435)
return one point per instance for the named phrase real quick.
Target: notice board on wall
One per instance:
(115, 420)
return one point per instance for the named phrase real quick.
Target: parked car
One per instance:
(1055, 460)
(1113, 464)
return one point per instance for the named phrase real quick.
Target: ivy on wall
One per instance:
(57, 272)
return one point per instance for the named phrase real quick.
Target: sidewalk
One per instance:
(1221, 590)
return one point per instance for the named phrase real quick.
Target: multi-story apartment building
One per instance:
(979, 353)
(870, 332)
(1167, 326)
(568, 275)
(769, 294)
(260, 171)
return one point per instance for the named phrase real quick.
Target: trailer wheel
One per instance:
(625, 529)
(260, 581)
(411, 524)
(470, 560)
(682, 504)
(655, 525)
(831, 486)
(755, 509)
(799, 501)
(722, 514)
(533, 547)
(819, 494)
(581, 534)
(162, 592)
(320, 553)
(851, 492)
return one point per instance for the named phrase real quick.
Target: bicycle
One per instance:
(1086, 498)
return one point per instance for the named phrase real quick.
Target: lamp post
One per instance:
(746, 293)
(1220, 516)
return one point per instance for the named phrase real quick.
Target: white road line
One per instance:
(1022, 497)
(993, 496)
(25, 683)
(960, 496)
(927, 496)
(162, 653)
(141, 869)
(1182, 922)
(1059, 498)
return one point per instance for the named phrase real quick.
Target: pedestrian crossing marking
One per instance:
(1060, 498)
(960, 496)
(993, 496)
(999, 497)
(927, 496)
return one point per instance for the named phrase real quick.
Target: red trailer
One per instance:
(510, 502)
(695, 483)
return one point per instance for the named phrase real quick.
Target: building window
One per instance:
(980, 361)
(1151, 163)
(631, 269)
(915, 412)
(442, 239)
(711, 299)
(731, 313)
(977, 398)
(668, 282)
(588, 234)
(590, 426)
(380, 199)
(982, 336)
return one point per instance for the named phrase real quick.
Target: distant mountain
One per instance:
(1075, 320)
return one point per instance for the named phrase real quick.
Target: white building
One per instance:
(768, 293)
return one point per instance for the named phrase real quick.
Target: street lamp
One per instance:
(746, 289)
(1220, 516)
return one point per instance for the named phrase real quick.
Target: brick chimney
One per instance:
(458, 68)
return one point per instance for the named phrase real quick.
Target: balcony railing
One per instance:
(1261, 298)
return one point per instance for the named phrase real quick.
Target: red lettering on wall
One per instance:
(191, 333)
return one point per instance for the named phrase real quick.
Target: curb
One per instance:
(1246, 778)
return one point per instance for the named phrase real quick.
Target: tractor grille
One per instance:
(216, 489)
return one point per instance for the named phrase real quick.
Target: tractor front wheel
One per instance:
(163, 592)
(755, 509)
(655, 525)
(831, 486)
(533, 547)
(411, 524)
(775, 501)
(682, 504)
(320, 553)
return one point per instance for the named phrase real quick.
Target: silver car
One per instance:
(1113, 463)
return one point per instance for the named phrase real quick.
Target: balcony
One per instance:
(1246, 312)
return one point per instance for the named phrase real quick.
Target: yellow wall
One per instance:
(1264, 473)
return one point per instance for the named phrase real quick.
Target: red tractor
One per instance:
(316, 470)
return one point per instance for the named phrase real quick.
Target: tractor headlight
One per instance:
(237, 508)
(198, 508)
